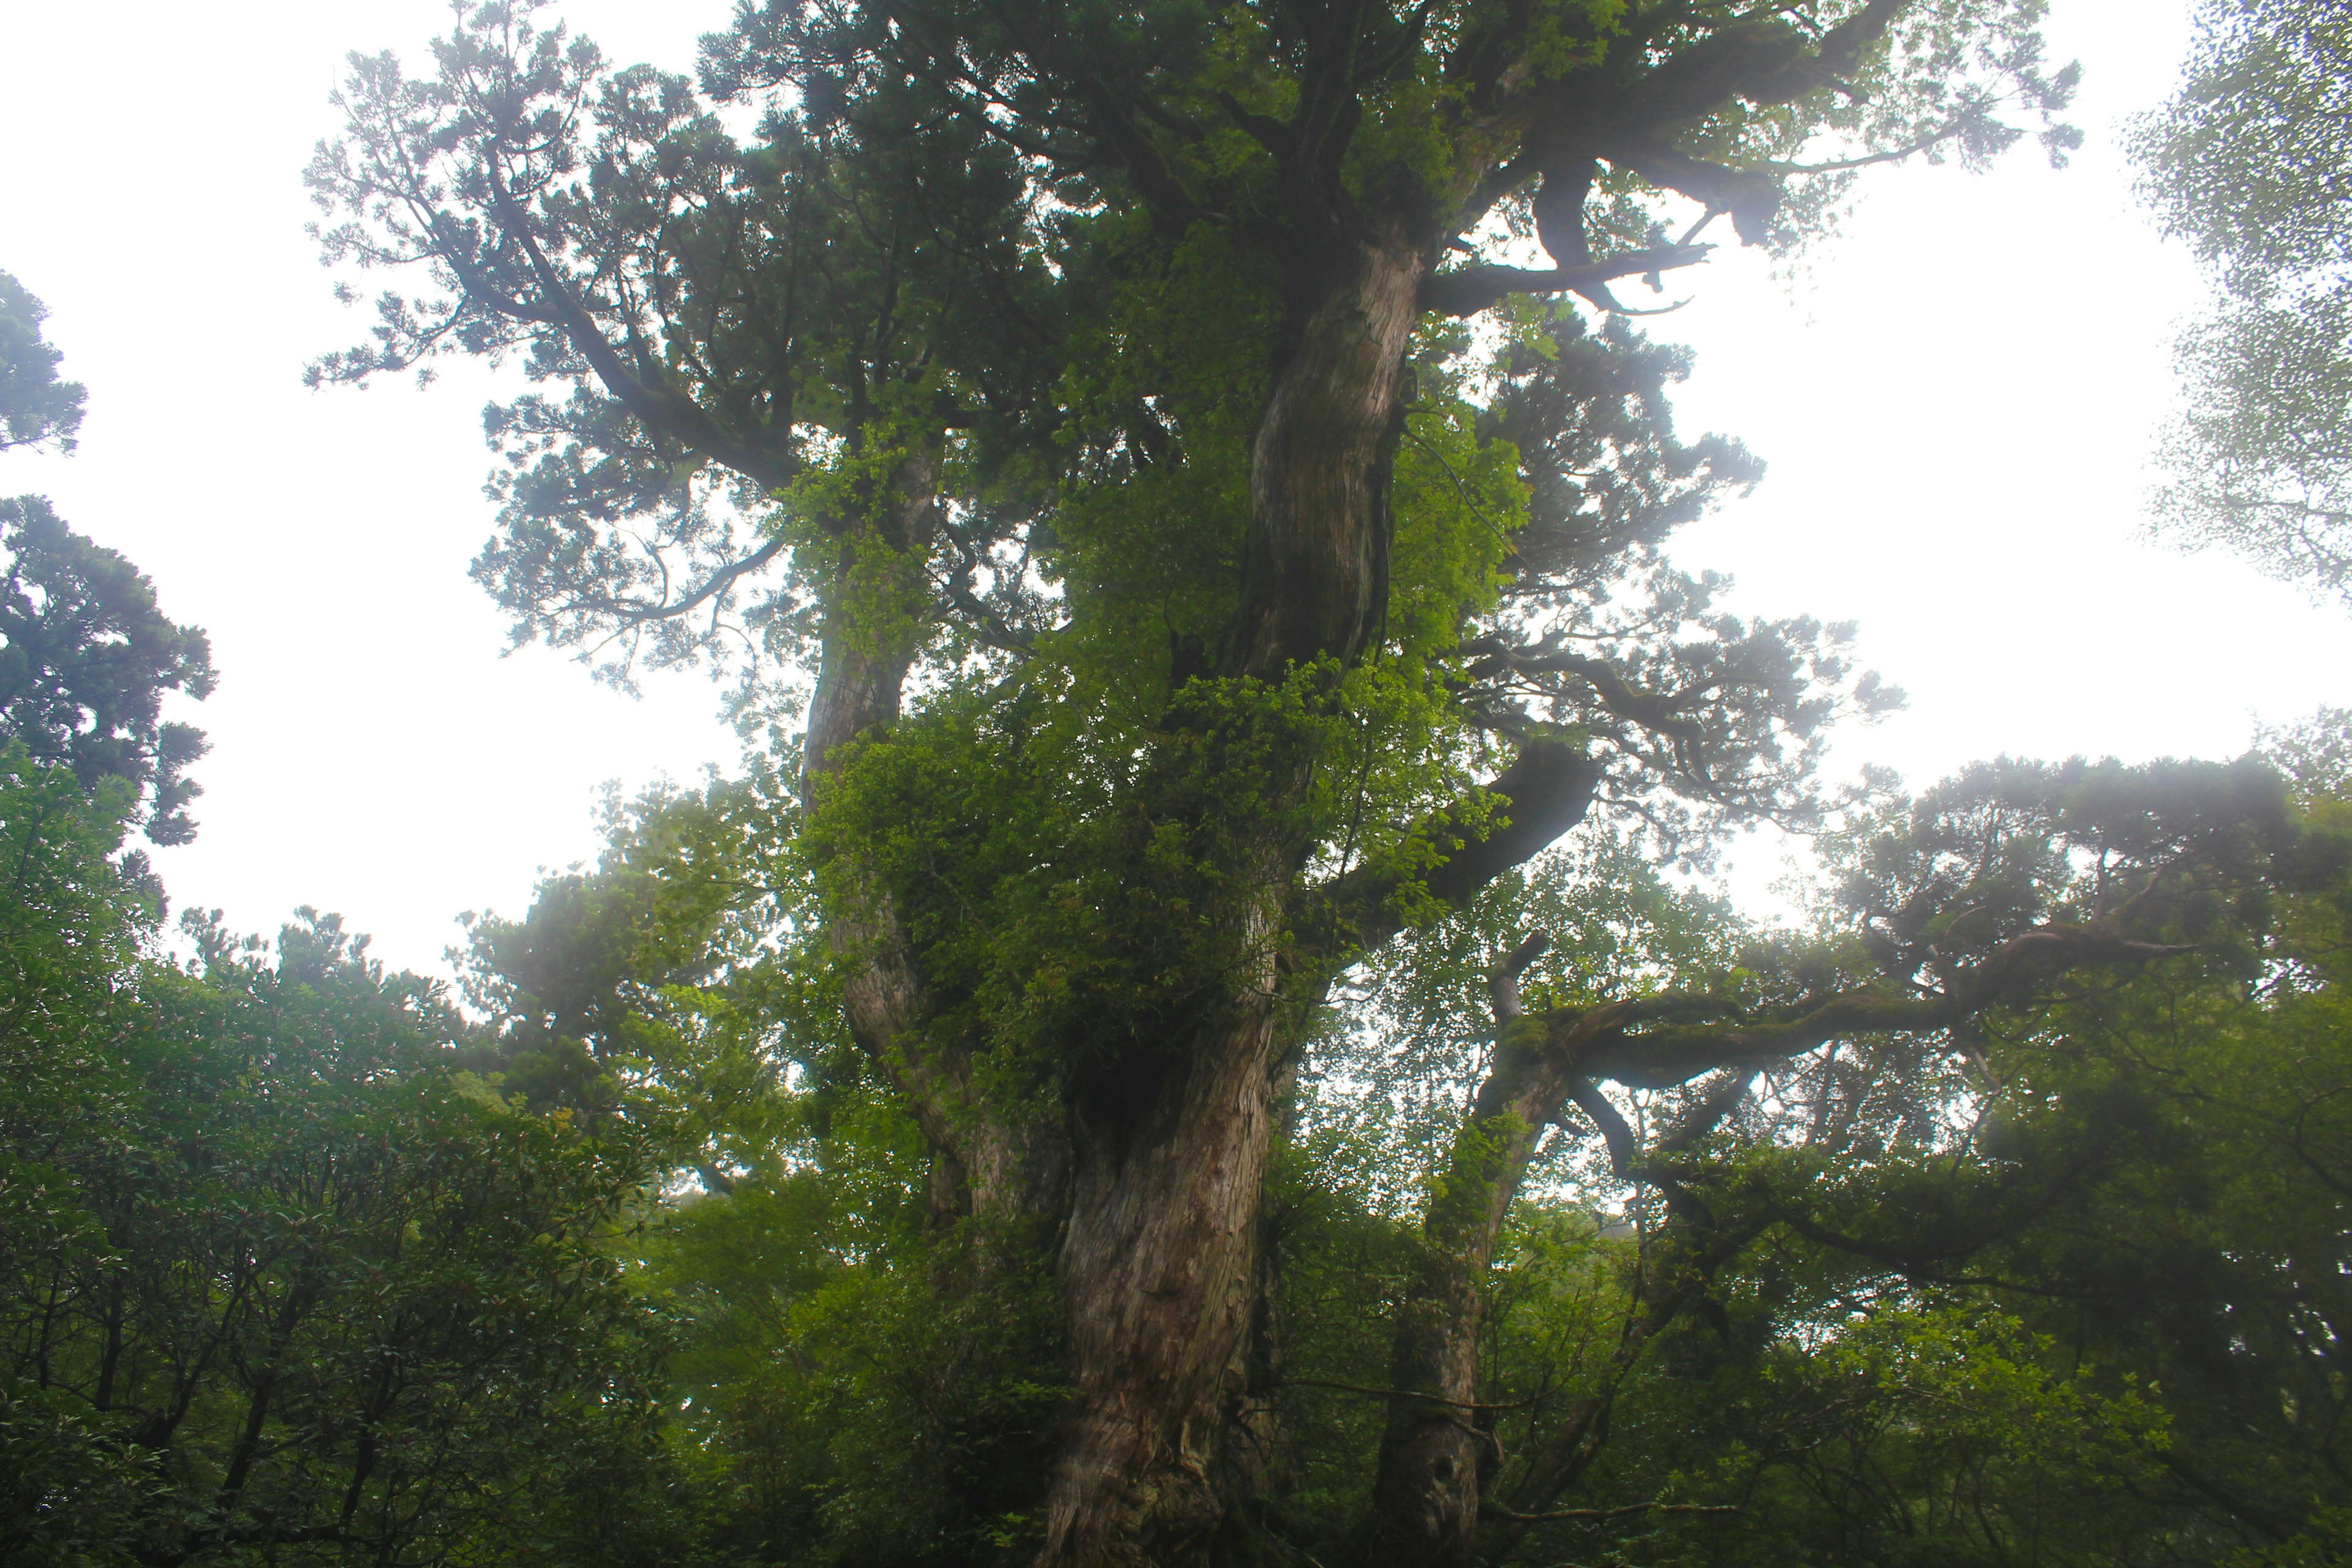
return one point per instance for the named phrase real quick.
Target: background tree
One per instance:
(278, 1281)
(35, 407)
(86, 654)
(2248, 163)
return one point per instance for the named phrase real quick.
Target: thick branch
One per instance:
(1473, 289)
(1751, 198)
(1172, 207)
(1676, 1052)
(1545, 791)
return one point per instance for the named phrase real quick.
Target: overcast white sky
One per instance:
(1957, 407)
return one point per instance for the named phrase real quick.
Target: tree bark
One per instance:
(1426, 1499)
(1160, 1272)
(874, 622)
(1315, 574)
(1161, 1267)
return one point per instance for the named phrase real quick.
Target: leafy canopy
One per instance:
(1043, 262)
(86, 654)
(279, 1280)
(2251, 164)
(35, 407)
(86, 658)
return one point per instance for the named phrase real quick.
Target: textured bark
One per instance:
(1161, 1272)
(1425, 1500)
(1315, 579)
(1161, 1268)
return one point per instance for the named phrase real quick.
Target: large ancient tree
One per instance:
(1176, 482)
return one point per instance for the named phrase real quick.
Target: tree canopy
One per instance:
(277, 1274)
(35, 407)
(2248, 164)
(87, 657)
(86, 652)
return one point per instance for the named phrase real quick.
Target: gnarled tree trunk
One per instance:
(1161, 1275)
(1161, 1268)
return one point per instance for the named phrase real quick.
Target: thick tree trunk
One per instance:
(1160, 1275)
(1161, 1268)
(1315, 579)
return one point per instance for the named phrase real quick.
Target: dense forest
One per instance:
(1202, 1032)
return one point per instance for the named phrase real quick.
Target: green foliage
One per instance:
(2248, 164)
(1961, 1317)
(35, 406)
(86, 656)
(278, 1282)
(2138, 1183)
(834, 1409)
(621, 991)
(1915, 1433)
(1095, 377)
(828, 1407)
(1964, 1317)
(2068, 1283)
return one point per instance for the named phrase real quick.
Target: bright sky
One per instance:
(1957, 405)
